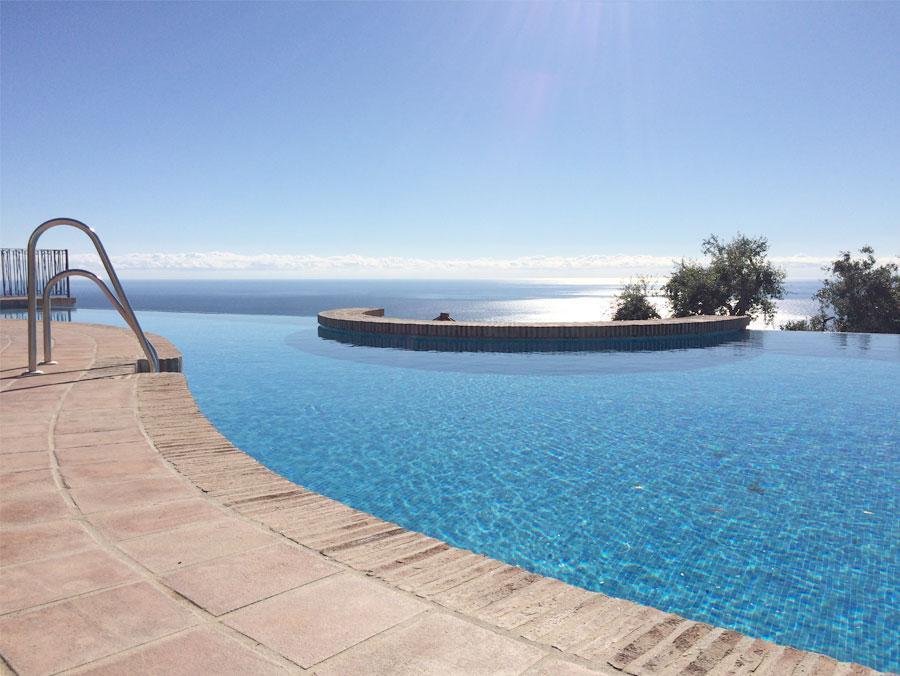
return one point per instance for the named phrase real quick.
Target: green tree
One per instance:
(858, 296)
(811, 324)
(739, 280)
(632, 302)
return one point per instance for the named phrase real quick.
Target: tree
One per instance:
(858, 296)
(692, 290)
(811, 324)
(739, 280)
(632, 302)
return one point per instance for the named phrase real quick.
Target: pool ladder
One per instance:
(118, 300)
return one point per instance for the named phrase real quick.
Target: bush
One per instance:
(739, 280)
(811, 324)
(858, 296)
(632, 302)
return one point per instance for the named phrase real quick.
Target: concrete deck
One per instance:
(136, 539)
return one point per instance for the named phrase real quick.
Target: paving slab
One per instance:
(101, 420)
(39, 442)
(19, 462)
(26, 481)
(435, 644)
(37, 582)
(319, 620)
(76, 631)
(133, 522)
(78, 439)
(173, 549)
(197, 651)
(32, 508)
(130, 494)
(10, 432)
(121, 452)
(231, 582)
(37, 541)
(557, 667)
(88, 474)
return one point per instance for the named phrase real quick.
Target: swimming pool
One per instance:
(751, 484)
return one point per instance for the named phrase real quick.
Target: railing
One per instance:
(14, 267)
(45, 304)
(119, 300)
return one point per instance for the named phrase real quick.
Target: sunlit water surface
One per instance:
(472, 300)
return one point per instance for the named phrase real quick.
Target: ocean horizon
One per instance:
(546, 300)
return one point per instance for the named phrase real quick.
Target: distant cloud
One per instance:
(801, 259)
(303, 263)
(234, 264)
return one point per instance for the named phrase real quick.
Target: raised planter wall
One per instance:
(373, 321)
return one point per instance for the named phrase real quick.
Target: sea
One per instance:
(541, 300)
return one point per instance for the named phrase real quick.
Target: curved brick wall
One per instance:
(373, 321)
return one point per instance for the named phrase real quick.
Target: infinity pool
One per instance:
(752, 484)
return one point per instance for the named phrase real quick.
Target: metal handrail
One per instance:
(131, 319)
(151, 355)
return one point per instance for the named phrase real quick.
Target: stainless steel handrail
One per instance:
(113, 278)
(151, 355)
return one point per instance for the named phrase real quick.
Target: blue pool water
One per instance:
(752, 484)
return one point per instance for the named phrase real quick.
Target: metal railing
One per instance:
(14, 267)
(119, 300)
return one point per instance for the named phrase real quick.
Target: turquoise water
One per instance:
(752, 484)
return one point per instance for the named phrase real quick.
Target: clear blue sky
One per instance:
(457, 130)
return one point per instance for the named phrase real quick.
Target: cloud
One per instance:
(802, 259)
(234, 264)
(227, 261)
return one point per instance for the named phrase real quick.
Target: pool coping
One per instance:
(371, 320)
(487, 590)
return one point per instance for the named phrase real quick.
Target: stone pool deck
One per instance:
(134, 538)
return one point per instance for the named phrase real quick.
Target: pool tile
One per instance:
(438, 644)
(197, 651)
(76, 631)
(319, 620)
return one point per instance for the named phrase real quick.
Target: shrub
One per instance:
(632, 302)
(811, 324)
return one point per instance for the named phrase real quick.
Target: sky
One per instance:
(449, 139)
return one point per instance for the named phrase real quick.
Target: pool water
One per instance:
(752, 484)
